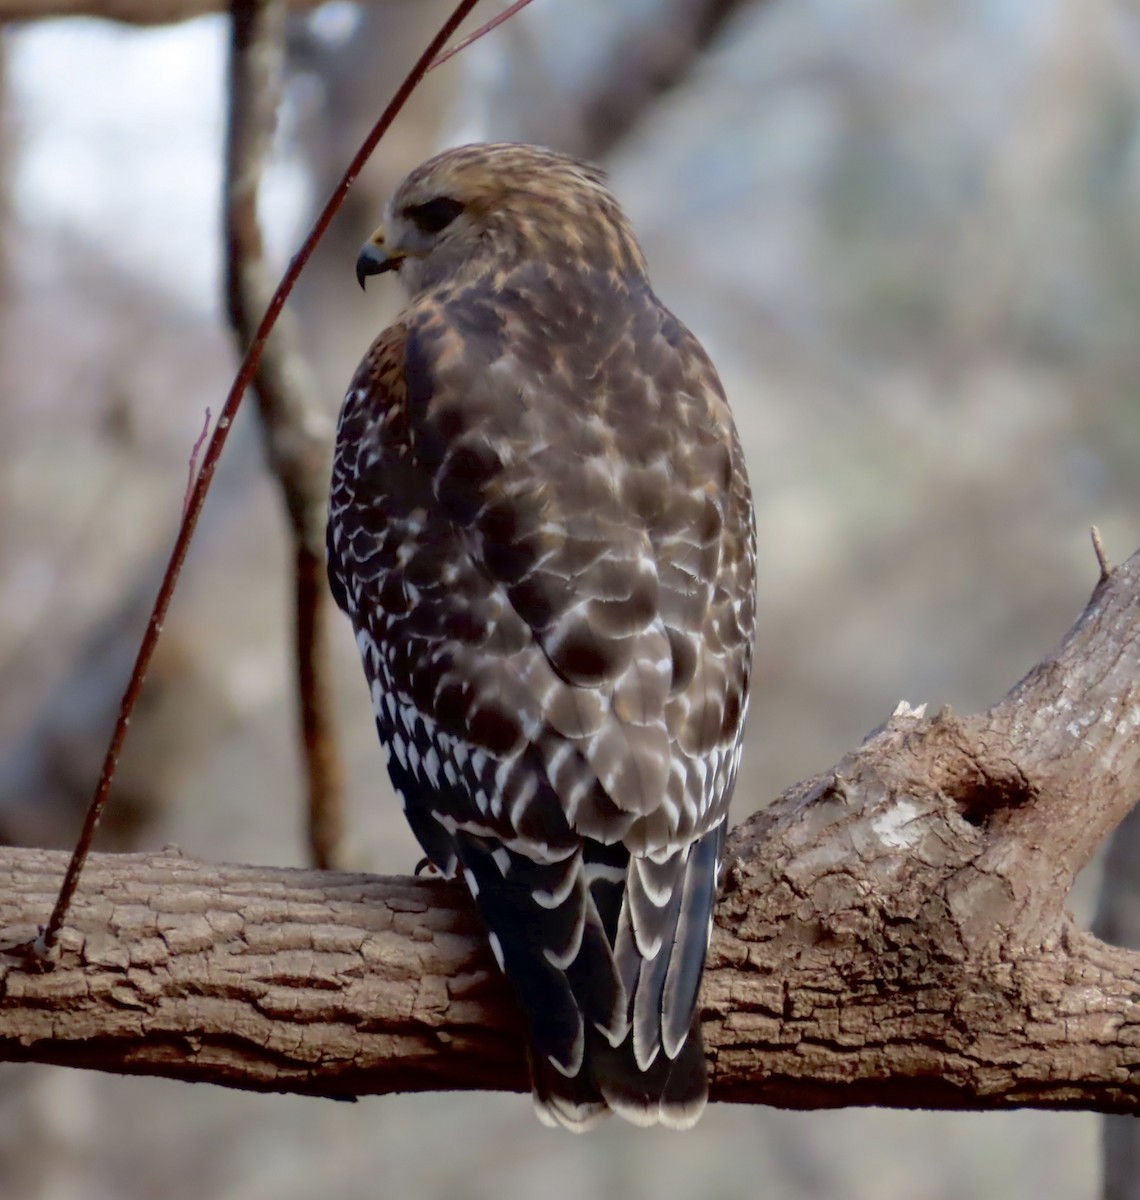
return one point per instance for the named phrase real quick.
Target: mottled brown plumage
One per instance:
(541, 526)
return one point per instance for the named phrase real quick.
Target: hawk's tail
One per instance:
(672, 1092)
(658, 1072)
(605, 953)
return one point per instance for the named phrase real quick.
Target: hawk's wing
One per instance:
(541, 526)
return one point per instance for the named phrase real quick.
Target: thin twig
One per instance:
(296, 432)
(44, 944)
(192, 465)
(493, 23)
(1101, 556)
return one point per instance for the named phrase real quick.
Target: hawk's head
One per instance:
(493, 206)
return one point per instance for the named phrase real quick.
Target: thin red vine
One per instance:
(43, 946)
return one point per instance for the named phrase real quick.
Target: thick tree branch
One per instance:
(892, 932)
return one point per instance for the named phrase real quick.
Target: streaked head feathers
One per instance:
(487, 207)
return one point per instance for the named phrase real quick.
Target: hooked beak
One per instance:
(374, 259)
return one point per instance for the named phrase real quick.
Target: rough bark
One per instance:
(892, 932)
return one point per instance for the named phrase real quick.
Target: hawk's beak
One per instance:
(374, 259)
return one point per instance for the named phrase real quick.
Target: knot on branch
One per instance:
(963, 760)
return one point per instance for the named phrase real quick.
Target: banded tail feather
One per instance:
(607, 969)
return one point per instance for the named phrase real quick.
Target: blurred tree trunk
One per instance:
(1118, 922)
(344, 87)
(42, 1120)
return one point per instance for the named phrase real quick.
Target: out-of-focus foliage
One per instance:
(907, 233)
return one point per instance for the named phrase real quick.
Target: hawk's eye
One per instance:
(435, 215)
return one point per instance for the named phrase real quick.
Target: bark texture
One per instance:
(892, 932)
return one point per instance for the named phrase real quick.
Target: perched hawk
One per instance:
(541, 527)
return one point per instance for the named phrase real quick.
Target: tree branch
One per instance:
(640, 68)
(296, 430)
(892, 932)
(130, 12)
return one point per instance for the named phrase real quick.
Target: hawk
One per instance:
(541, 527)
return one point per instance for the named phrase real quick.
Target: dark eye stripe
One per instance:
(436, 215)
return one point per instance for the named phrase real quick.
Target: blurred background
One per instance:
(908, 233)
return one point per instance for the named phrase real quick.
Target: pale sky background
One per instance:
(153, 99)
